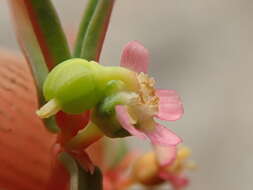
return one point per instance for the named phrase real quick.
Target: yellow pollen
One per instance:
(146, 92)
(145, 106)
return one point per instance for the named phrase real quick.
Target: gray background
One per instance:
(202, 49)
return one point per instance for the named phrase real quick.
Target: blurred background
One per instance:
(202, 49)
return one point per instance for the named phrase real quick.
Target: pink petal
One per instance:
(162, 136)
(170, 105)
(125, 120)
(165, 154)
(135, 57)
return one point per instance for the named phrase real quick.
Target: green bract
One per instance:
(103, 115)
(109, 124)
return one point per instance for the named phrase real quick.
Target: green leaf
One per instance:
(80, 179)
(41, 39)
(93, 29)
(88, 13)
(49, 31)
(37, 21)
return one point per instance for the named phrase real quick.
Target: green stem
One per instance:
(119, 73)
(70, 164)
(79, 178)
(90, 134)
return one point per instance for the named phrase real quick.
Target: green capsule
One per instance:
(77, 85)
(73, 85)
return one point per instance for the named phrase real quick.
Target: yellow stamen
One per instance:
(183, 153)
(147, 91)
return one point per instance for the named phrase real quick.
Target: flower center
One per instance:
(145, 106)
(147, 94)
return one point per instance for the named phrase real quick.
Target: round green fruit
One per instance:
(73, 85)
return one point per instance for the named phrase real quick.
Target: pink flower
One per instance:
(148, 171)
(174, 172)
(137, 117)
(116, 177)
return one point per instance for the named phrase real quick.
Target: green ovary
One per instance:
(78, 85)
(73, 85)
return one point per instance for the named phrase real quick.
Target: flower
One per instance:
(116, 177)
(174, 173)
(157, 174)
(137, 117)
(123, 99)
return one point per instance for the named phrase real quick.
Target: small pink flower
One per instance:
(174, 173)
(137, 117)
(116, 177)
